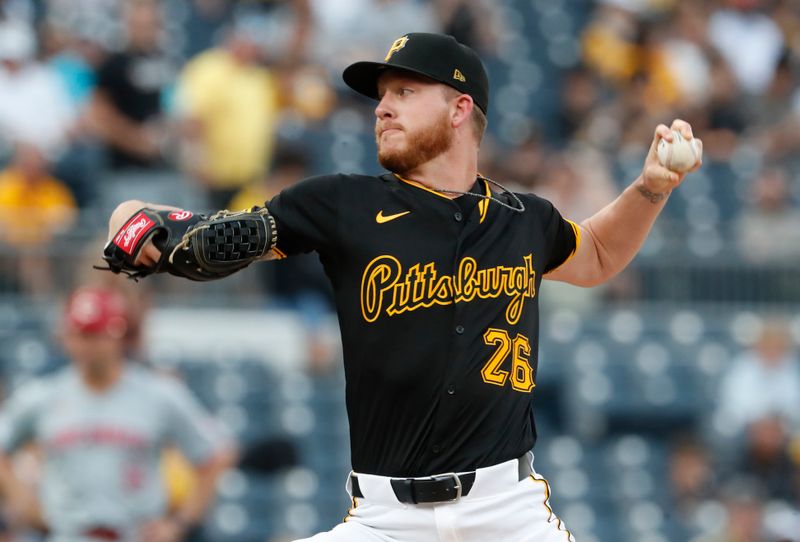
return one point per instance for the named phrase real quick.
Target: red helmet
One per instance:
(98, 311)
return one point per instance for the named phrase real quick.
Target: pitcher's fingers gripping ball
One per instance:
(659, 175)
(680, 154)
(193, 246)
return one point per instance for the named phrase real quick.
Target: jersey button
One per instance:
(436, 448)
(458, 216)
(451, 390)
(460, 330)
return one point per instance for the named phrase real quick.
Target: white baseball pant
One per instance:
(499, 508)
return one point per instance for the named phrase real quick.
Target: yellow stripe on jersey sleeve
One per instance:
(576, 230)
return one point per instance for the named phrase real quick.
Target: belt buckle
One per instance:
(457, 481)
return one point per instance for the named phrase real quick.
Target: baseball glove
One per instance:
(192, 246)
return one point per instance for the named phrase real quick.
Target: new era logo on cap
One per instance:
(434, 56)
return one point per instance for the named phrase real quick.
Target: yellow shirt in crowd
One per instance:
(237, 107)
(32, 211)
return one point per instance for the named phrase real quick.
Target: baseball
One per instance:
(680, 155)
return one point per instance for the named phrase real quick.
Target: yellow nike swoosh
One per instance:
(381, 219)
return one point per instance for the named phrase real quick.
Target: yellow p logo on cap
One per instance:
(398, 44)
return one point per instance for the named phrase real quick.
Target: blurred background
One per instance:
(667, 401)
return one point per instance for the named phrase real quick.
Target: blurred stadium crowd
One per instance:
(668, 401)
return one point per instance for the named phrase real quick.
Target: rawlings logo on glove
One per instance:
(192, 246)
(130, 233)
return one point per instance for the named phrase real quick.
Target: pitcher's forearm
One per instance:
(620, 229)
(611, 238)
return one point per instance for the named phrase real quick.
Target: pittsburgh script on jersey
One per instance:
(387, 289)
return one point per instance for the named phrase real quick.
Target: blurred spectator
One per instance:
(768, 230)
(75, 55)
(469, 21)
(230, 104)
(580, 96)
(524, 165)
(287, 28)
(749, 41)
(726, 113)
(682, 52)
(34, 106)
(786, 14)
(766, 458)
(762, 382)
(776, 102)
(289, 166)
(635, 113)
(74, 52)
(120, 419)
(577, 181)
(284, 26)
(611, 43)
(776, 115)
(34, 207)
(637, 46)
(126, 107)
(695, 60)
(658, 59)
(692, 478)
(298, 282)
(744, 513)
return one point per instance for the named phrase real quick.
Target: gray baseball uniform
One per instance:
(102, 451)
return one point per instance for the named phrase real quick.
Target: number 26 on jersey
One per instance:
(519, 350)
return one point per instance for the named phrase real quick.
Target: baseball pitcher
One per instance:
(436, 271)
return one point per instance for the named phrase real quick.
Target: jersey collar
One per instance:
(483, 204)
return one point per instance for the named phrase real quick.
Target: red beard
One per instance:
(422, 145)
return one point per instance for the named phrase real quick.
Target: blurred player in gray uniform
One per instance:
(102, 425)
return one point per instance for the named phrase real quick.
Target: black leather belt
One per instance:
(440, 488)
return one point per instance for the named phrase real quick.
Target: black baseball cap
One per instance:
(436, 56)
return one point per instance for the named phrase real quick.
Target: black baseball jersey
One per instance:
(437, 302)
